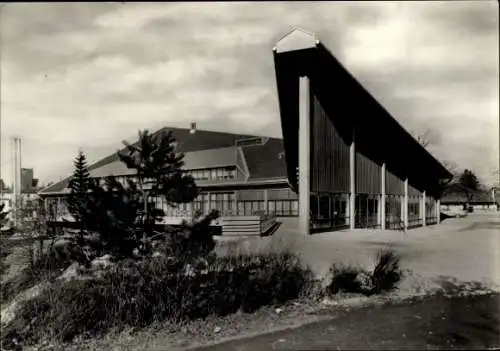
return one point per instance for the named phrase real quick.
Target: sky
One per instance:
(89, 75)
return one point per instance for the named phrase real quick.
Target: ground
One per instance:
(434, 323)
(460, 249)
(464, 249)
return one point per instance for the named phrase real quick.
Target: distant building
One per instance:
(27, 180)
(457, 195)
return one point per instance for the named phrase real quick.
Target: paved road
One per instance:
(434, 323)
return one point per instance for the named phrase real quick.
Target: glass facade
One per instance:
(329, 210)
(366, 211)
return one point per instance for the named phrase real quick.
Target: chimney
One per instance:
(193, 128)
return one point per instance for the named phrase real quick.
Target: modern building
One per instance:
(350, 161)
(343, 162)
(236, 174)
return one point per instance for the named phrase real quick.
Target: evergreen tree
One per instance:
(469, 180)
(79, 186)
(470, 183)
(159, 172)
(122, 214)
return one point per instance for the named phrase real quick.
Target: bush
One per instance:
(384, 277)
(345, 279)
(387, 273)
(139, 293)
(191, 241)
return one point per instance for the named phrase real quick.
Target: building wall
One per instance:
(280, 201)
(393, 184)
(330, 175)
(329, 154)
(368, 175)
(27, 175)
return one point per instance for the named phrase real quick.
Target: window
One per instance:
(205, 175)
(230, 173)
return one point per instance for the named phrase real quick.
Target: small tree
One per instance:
(112, 211)
(122, 214)
(469, 182)
(79, 186)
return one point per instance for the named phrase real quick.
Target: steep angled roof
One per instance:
(202, 149)
(336, 88)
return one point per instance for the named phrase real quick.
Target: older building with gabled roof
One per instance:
(237, 174)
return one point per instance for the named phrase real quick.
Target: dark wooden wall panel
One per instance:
(393, 184)
(329, 153)
(368, 177)
(412, 191)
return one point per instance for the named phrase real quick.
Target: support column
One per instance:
(348, 210)
(423, 208)
(382, 196)
(266, 207)
(304, 155)
(235, 204)
(352, 179)
(209, 203)
(438, 211)
(405, 201)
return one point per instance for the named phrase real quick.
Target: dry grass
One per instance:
(133, 294)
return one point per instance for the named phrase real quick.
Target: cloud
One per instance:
(89, 75)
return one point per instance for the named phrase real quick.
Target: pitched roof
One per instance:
(264, 161)
(211, 158)
(456, 192)
(202, 149)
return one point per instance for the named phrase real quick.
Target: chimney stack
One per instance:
(193, 128)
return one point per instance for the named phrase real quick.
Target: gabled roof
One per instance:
(296, 39)
(266, 161)
(202, 149)
(457, 193)
(221, 157)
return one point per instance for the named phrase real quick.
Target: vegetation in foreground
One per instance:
(151, 274)
(385, 276)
